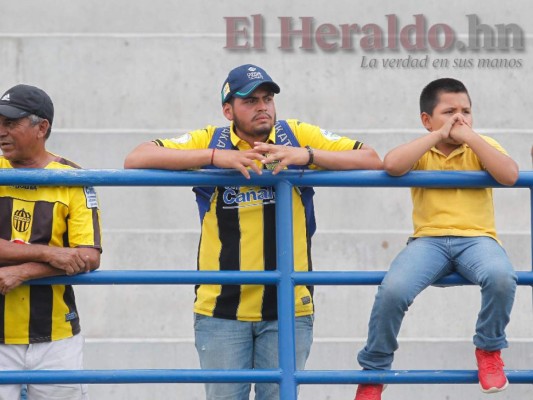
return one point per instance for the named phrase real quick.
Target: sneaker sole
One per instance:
(494, 389)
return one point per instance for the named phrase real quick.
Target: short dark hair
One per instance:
(430, 94)
(34, 120)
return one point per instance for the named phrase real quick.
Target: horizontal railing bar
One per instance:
(375, 278)
(271, 376)
(165, 277)
(140, 177)
(403, 377)
(148, 277)
(140, 376)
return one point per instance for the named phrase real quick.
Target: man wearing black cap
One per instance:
(59, 228)
(236, 325)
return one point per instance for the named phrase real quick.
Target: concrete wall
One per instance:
(123, 72)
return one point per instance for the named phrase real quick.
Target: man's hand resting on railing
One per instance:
(11, 277)
(72, 261)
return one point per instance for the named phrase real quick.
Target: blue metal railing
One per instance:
(285, 278)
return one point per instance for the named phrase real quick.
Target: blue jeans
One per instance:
(230, 344)
(479, 259)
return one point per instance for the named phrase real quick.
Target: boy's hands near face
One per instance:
(461, 130)
(445, 131)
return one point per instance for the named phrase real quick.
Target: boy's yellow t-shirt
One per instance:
(453, 211)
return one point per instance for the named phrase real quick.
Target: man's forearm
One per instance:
(36, 270)
(13, 253)
(15, 275)
(71, 260)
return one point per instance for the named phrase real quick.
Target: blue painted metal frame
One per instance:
(285, 278)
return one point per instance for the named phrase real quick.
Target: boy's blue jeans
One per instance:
(479, 259)
(230, 344)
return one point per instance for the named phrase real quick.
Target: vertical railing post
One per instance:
(285, 263)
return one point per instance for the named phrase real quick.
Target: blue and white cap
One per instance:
(243, 80)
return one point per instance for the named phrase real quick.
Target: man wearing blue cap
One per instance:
(236, 325)
(57, 231)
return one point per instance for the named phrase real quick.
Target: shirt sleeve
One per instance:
(84, 228)
(198, 139)
(318, 138)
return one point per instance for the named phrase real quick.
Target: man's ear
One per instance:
(227, 110)
(426, 121)
(44, 125)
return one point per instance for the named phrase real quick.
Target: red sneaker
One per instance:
(492, 379)
(369, 392)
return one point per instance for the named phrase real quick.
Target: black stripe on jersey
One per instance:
(269, 309)
(230, 237)
(196, 287)
(309, 262)
(158, 142)
(96, 229)
(70, 301)
(357, 145)
(6, 213)
(2, 318)
(41, 303)
(65, 238)
(41, 230)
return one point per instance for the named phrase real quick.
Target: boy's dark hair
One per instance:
(430, 94)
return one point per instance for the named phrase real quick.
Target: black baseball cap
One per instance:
(23, 100)
(243, 80)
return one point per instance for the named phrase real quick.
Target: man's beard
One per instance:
(259, 132)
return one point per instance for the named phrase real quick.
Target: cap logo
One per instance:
(253, 74)
(225, 90)
(6, 97)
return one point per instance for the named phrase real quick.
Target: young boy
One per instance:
(454, 231)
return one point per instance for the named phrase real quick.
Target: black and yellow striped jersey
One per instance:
(53, 216)
(239, 232)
